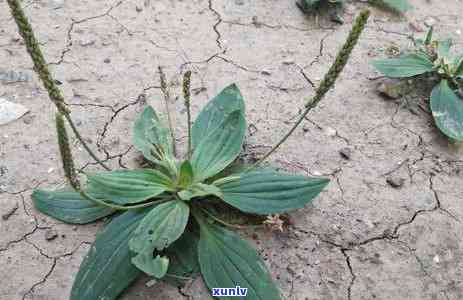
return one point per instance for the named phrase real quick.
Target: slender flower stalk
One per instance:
(40, 67)
(187, 97)
(166, 93)
(329, 80)
(65, 151)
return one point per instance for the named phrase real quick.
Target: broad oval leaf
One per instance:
(149, 135)
(269, 191)
(162, 226)
(106, 270)
(227, 261)
(215, 112)
(220, 147)
(154, 266)
(447, 110)
(69, 206)
(128, 186)
(183, 255)
(405, 66)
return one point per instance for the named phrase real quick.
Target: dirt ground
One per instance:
(360, 239)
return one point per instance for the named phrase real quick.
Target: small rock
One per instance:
(10, 111)
(430, 21)
(290, 270)
(10, 212)
(346, 153)
(51, 234)
(86, 43)
(138, 9)
(265, 72)
(395, 182)
(436, 259)
(288, 62)
(107, 60)
(305, 128)
(28, 119)
(330, 131)
(150, 283)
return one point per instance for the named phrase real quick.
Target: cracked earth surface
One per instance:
(360, 239)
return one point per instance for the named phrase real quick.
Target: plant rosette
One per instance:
(334, 6)
(161, 221)
(435, 58)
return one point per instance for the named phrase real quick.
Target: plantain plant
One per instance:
(433, 61)
(163, 218)
(334, 7)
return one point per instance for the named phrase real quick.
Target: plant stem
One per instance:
(217, 219)
(187, 96)
(84, 144)
(40, 67)
(328, 81)
(166, 93)
(65, 151)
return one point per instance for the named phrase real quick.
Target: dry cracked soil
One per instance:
(361, 238)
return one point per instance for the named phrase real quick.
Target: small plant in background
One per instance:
(433, 61)
(163, 219)
(334, 7)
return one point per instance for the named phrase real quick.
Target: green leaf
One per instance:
(447, 110)
(428, 38)
(128, 186)
(199, 190)
(405, 66)
(183, 255)
(186, 175)
(106, 270)
(215, 112)
(458, 65)
(228, 261)
(399, 5)
(267, 191)
(162, 226)
(443, 48)
(220, 147)
(69, 206)
(154, 266)
(150, 136)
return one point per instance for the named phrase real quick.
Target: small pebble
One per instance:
(265, 72)
(107, 60)
(430, 21)
(395, 182)
(346, 153)
(51, 234)
(330, 131)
